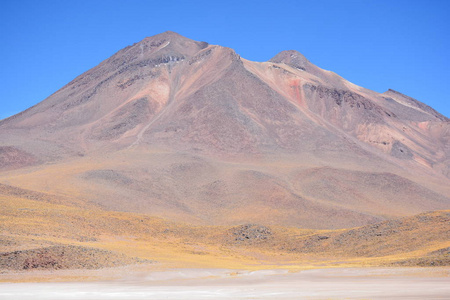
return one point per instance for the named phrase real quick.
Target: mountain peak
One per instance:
(292, 58)
(167, 35)
(172, 41)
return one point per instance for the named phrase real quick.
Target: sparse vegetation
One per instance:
(38, 234)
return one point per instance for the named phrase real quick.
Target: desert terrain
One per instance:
(176, 166)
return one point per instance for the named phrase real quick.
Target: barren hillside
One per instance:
(171, 145)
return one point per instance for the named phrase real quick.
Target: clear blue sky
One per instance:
(403, 45)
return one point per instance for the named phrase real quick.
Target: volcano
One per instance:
(192, 132)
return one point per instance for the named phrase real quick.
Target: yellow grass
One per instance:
(32, 223)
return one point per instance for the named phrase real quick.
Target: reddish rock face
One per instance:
(13, 158)
(219, 118)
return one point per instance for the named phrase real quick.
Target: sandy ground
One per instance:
(343, 283)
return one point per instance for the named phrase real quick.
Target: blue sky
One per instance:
(403, 45)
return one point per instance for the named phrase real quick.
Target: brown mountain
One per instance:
(192, 132)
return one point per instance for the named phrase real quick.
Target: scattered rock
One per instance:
(400, 150)
(251, 232)
(424, 262)
(64, 257)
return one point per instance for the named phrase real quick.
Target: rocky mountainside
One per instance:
(190, 131)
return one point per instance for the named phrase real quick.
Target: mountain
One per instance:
(192, 132)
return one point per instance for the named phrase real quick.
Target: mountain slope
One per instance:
(191, 131)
